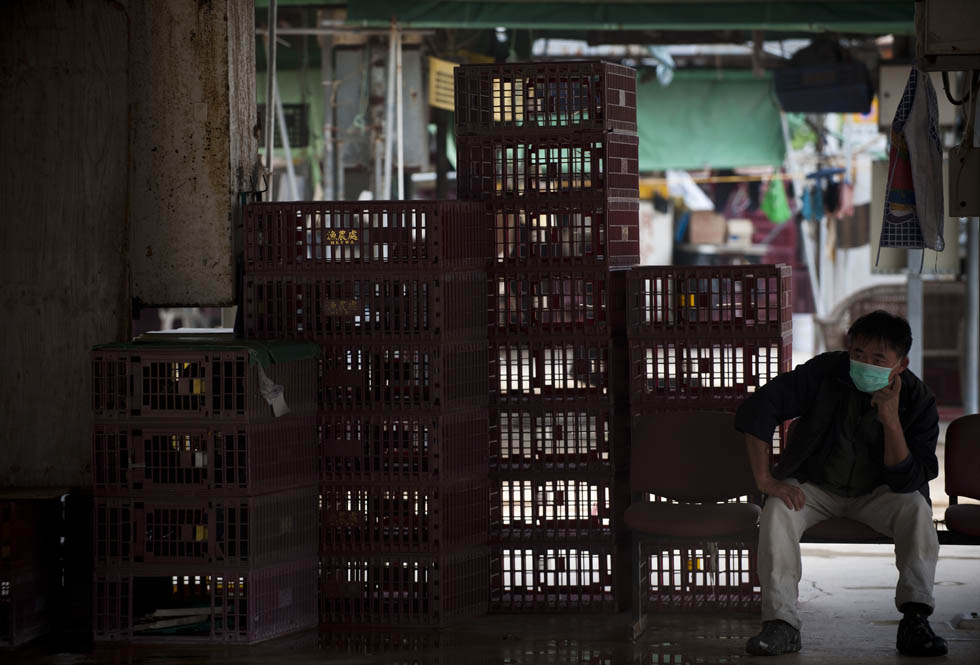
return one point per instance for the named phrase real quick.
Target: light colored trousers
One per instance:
(906, 518)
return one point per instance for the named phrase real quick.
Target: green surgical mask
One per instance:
(869, 378)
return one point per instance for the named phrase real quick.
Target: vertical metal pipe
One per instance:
(284, 135)
(914, 302)
(270, 88)
(826, 269)
(811, 260)
(400, 106)
(389, 113)
(339, 158)
(809, 252)
(378, 168)
(971, 397)
(340, 132)
(326, 76)
(442, 161)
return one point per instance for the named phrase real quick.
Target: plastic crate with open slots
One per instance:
(592, 165)
(562, 578)
(269, 529)
(242, 605)
(699, 577)
(530, 301)
(583, 435)
(565, 233)
(316, 235)
(713, 373)
(529, 508)
(400, 519)
(555, 370)
(741, 301)
(403, 448)
(403, 376)
(541, 97)
(30, 571)
(201, 377)
(342, 303)
(204, 458)
(378, 590)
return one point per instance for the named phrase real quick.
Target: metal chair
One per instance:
(694, 463)
(963, 477)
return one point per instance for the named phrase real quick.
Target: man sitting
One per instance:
(864, 448)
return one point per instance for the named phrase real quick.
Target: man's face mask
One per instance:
(869, 378)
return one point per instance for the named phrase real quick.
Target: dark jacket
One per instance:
(814, 392)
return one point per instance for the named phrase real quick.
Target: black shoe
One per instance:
(915, 637)
(776, 637)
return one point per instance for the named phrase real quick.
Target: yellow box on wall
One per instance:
(441, 86)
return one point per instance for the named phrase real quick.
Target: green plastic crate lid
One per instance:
(261, 352)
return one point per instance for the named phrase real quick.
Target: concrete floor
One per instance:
(846, 599)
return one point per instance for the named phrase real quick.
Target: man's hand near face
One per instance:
(886, 401)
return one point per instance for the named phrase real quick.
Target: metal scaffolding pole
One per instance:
(389, 114)
(972, 361)
(284, 135)
(809, 251)
(378, 167)
(400, 126)
(327, 82)
(343, 29)
(270, 91)
(914, 301)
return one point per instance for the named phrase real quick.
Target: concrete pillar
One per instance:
(194, 147)
(126, 134)
(64, 113)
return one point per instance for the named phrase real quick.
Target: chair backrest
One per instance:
(943, 316)
(963, 457)
(690, 456)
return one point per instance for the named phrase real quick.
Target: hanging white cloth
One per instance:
(682, 185)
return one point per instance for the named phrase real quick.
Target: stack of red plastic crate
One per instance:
(703, 338)
(552, 148)
(29, 570)
(205, 490)
(394, 294)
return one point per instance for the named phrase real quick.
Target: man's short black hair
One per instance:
(890, 328)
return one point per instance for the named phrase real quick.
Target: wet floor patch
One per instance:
(688, 639)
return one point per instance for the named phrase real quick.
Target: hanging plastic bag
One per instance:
(738, 202)
(774, 203)
(816, 202)
(812, 205)
(913, 216)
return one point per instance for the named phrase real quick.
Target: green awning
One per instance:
(709, 119)
(858, 16)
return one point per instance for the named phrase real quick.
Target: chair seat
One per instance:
(841, 529)
(964, 518)
(692, 521)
